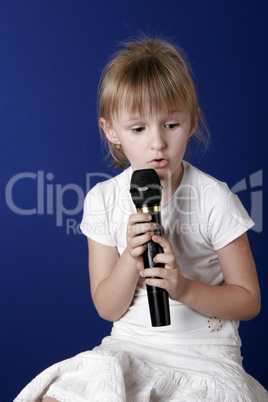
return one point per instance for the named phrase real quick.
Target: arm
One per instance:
(239, 299)
(113, 278)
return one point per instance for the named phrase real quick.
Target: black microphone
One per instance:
(146, 193)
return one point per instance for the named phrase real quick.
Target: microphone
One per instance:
(146, 193)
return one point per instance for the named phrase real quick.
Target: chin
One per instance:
(163, 174)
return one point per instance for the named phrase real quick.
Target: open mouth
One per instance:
(159, 162)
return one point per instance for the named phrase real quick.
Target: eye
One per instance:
(137, 129)
(171, 126)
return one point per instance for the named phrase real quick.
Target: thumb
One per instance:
(140, 265)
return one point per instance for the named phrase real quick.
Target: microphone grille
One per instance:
(145, 188)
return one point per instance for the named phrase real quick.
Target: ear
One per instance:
(108, 131)
(194, 126)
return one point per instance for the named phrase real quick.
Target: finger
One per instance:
(140, 265)
(137, 241)
(140, 223)
(169, 260)
(155, 272)
(142, 227)
(159, 283)
(139, 217)
(164, 243)
(137, 245)
(138, 251)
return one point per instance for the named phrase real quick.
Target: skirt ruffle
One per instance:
(119, 376)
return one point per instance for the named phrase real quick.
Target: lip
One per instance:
(159, 163)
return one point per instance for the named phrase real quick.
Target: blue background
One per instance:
(51, 56)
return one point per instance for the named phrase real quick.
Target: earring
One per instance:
(118, 146)
(188, 140)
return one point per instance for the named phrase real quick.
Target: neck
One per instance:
(171, 184)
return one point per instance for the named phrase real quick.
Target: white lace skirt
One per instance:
(119, 370)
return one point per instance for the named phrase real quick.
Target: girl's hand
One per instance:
(139, 232)
(238, 299)
(171, 278)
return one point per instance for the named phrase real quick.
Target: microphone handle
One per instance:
(157, 297)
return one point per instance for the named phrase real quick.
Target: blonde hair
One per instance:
(149, 72)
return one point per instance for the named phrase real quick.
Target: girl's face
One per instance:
(153, 140)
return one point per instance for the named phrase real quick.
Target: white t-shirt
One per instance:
(201, 217)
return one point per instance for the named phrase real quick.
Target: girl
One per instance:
(148, 112)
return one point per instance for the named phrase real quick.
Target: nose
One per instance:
(157, 139)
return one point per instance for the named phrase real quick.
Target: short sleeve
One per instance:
(95, 221)
(227, 217)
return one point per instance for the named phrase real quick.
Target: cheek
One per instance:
(131, 149)
(179, 144)
(131, 144)
(177, 152)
